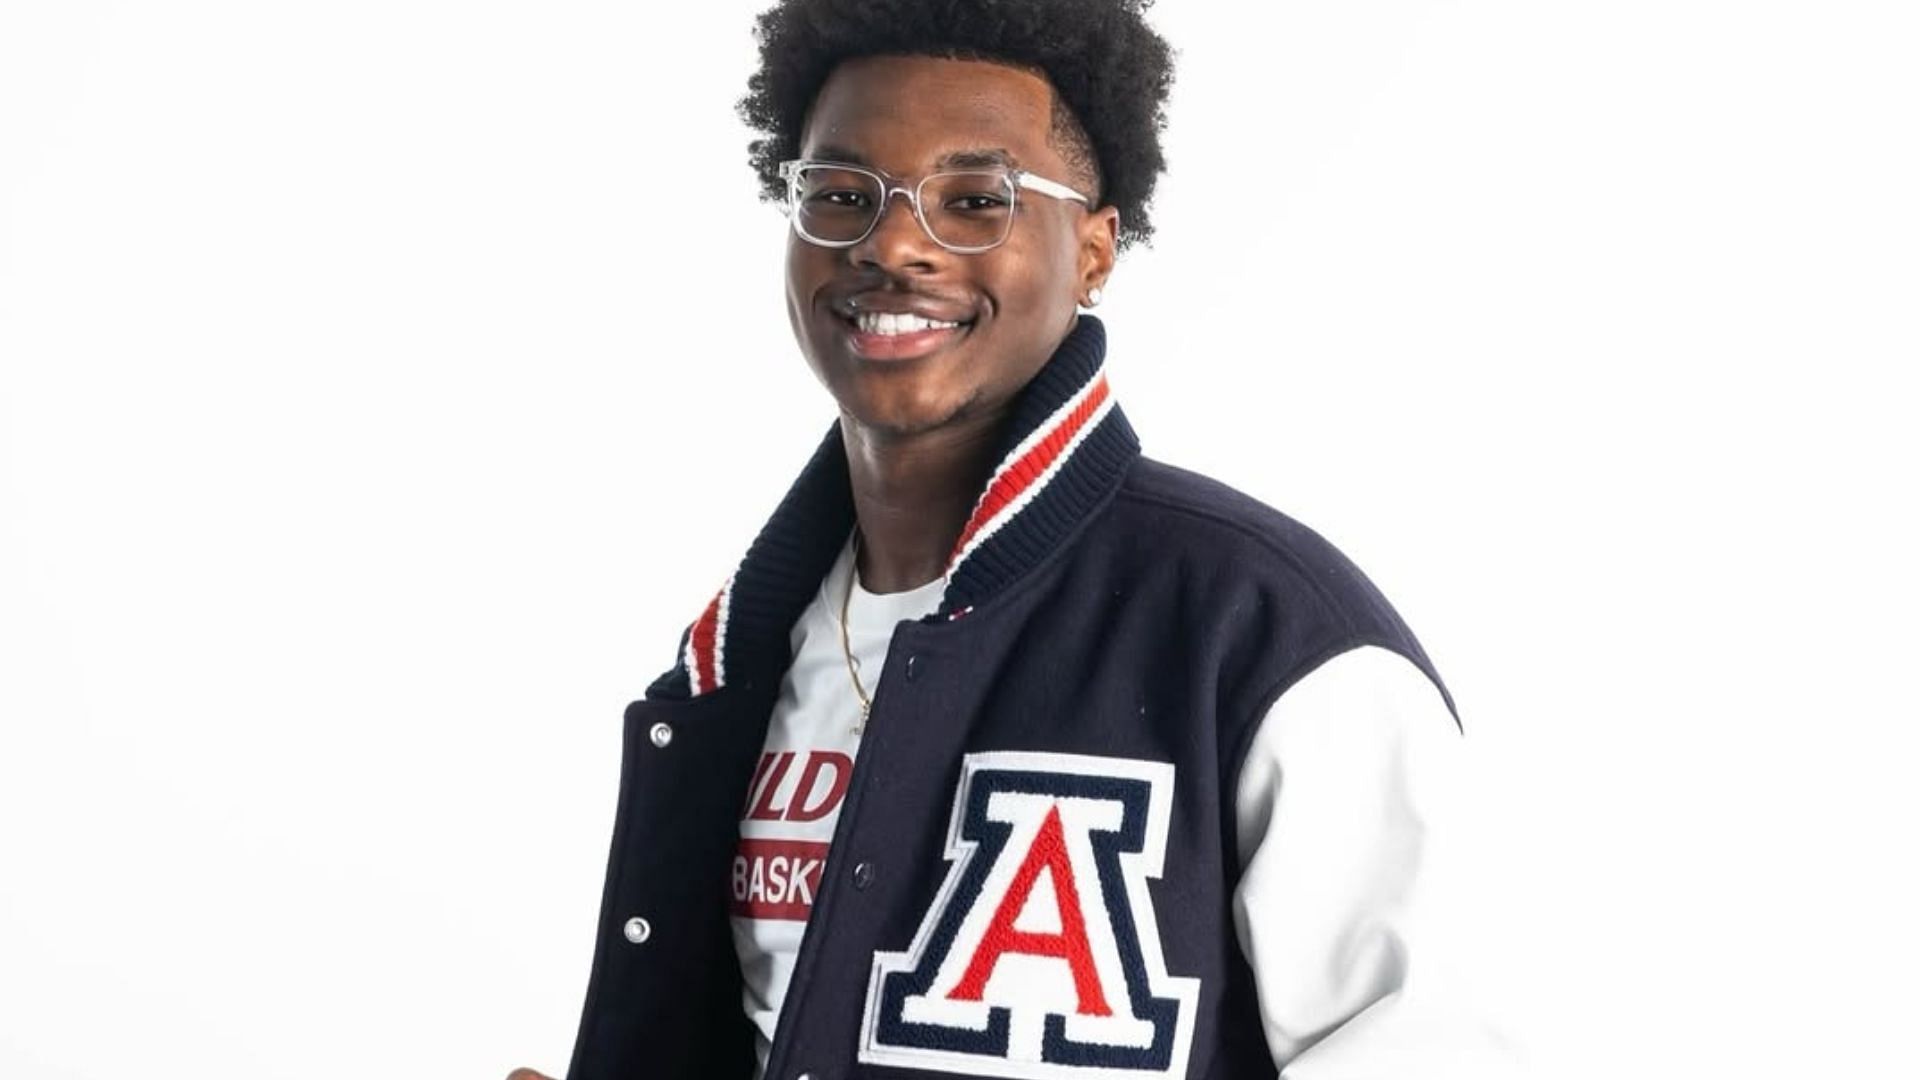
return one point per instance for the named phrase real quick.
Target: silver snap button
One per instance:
(638, 930)
(862, 875)
(662, 734)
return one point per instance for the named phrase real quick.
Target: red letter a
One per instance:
(1048, 853)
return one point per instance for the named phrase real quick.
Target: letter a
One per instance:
(1048, 853)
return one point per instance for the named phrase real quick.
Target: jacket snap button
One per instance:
(862, 875)
(662, 734)
(638, 930)
(913, 667)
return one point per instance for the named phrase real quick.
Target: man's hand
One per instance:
(527, 1074)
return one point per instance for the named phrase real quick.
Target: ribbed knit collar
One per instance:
(1062, 455)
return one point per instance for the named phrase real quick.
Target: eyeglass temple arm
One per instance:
(1048, 187)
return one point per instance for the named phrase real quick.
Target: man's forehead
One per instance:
(937, 111)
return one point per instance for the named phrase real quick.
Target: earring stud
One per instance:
(1094, 296)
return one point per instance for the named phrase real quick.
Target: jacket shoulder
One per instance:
(1196, 514)
(1231, 543)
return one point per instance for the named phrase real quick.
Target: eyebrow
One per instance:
(977, 158)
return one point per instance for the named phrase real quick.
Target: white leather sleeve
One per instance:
(1348, 902)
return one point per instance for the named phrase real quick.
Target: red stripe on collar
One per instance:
(706, 644)
(1027, 469)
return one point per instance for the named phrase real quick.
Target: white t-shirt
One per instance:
(1348, 786)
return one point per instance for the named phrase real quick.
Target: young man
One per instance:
(1007, 751)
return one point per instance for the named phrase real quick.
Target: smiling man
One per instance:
(1007, 751)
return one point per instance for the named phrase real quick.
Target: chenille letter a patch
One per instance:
(1040, 955)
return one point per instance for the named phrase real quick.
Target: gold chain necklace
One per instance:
(846, 646)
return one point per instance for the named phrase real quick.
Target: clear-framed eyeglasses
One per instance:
(966, 211)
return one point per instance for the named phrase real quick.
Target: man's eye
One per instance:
(978, 202)
(839, 198)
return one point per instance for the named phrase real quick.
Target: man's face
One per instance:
(905, 116)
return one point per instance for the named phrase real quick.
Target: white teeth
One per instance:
(886, 322)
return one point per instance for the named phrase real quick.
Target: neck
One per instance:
(912, 495)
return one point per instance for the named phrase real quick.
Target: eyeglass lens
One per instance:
(961, 209)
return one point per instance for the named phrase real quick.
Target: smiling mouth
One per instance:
(881, 335)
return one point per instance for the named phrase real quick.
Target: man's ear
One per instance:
(1099, 243)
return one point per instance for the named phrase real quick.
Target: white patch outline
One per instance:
(1136, 867)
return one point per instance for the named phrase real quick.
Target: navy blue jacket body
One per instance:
(1103, 607)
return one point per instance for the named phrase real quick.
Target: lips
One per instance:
(897, 326)
(905, 345)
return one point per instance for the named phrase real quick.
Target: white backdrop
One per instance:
(383, 385)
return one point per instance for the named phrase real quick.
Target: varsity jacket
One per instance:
(1069, 724)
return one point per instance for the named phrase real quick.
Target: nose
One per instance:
(897, 240)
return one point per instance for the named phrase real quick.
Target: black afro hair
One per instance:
(1110, 74)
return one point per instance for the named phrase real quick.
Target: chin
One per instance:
(898, 414)
(906, 423)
